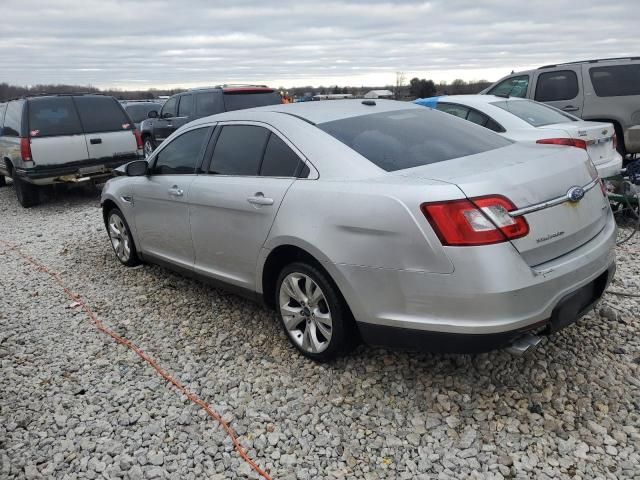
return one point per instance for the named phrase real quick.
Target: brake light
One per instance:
(475, 221)
(25, 150)
(568, 142)
(136, 134)
(614, 140)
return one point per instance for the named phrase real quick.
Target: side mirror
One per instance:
(137, 168)
(167, 115)
(153, 114)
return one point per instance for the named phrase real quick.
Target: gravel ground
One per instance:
(74, 404)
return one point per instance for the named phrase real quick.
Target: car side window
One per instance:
(206, 104)
(456, 110)
(279, 160)
(239, 150)
(495, 126)
(477, 117)
(181, 155)
(186, 106)
(555, 86)
(13, 119)
(169, 108)
(512, 87)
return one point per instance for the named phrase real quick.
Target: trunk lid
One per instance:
(531, 175)
(597, 136)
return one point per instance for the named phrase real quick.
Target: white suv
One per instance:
(63, 138)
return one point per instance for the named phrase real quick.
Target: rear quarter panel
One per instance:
(9, 152)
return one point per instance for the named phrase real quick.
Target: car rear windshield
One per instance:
(53, 116)
(616, 80)
(237, 100)
(534, 113)
(411, 138)
(101, 114)
(140, 111)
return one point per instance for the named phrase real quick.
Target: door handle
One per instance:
(95, 141)
(570, 108)
(176, 191)
(260, 199)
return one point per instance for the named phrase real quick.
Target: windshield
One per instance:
(410, 138)
(240, 100)
(139, 111)
(534, 113)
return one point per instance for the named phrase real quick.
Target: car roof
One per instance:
(476, 100)
(317, 112)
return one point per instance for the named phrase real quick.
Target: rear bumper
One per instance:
(73, 172)
(491, 292)
(610, 168)
(568, 311)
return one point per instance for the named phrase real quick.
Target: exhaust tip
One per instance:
(523, 344)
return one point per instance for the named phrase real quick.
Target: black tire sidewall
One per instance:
(3, 181)
(27, 194)
(133, 257)
(340, 314)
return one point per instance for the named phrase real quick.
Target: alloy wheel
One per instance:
(119, 237)
(305, 313)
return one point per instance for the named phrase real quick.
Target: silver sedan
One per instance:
(370, 220)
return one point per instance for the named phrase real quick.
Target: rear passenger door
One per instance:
(560, 88)
(234, 203)
(55, 131)
(108, 131)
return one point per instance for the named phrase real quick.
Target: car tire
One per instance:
(3, 181)
(121, 238)
(313, 313)
(27, 193)
(148, 146)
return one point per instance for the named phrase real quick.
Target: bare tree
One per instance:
(400, 81)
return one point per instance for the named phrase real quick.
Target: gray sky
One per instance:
(146, 43)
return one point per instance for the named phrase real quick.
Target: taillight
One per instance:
(568, 142)
(25, 150)
(475, 221)
(614, 140)
(136, 134)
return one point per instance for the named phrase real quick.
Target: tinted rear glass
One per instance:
(239, 150)
(533, 113)
(140, 111)
(411, 138)
(238, 101)
(101, 114)
(53, 116)
(616, 81)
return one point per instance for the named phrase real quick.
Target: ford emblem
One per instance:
(575, 194)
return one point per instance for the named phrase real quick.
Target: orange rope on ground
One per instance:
(123, 341)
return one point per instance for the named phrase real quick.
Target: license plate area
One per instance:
(91, 169)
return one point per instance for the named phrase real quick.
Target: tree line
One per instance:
(416, 88)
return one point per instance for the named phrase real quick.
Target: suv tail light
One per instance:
(568, 142)
(25, 150)
(136, 134)
(475, 221)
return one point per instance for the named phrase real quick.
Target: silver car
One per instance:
(375, 220)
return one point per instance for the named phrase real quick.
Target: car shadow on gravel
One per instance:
(63, 195)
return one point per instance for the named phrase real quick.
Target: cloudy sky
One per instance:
(185, 43)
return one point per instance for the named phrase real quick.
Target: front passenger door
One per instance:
(160, 199)
(234, 205)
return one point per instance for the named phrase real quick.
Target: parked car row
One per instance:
(479, 223)
(604, 90)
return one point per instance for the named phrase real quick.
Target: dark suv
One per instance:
(202, 102)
